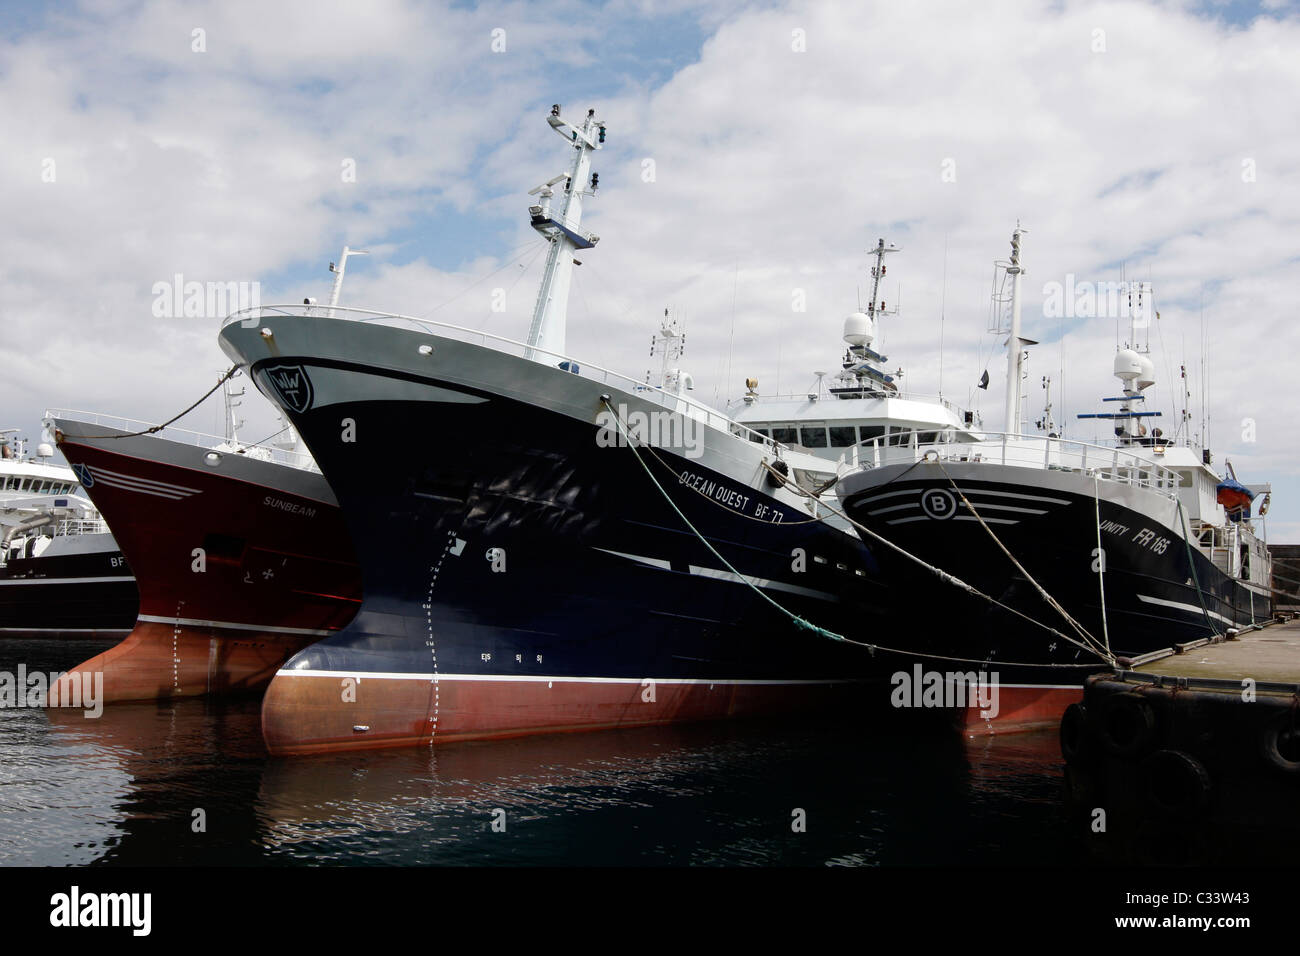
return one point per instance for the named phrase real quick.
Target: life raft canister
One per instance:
(1235, 498)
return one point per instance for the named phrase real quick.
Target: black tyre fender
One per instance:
(1074, 733)
(1128, 725)
(1280, 743)
(1176, 782)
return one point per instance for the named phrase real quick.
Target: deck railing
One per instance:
(1118, 464)
(184, 436)
(673, 401)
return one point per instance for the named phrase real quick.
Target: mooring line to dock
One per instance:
(1101, 559)
(230, 372)
(1191, 561)
(1042, 591)
(817, 629)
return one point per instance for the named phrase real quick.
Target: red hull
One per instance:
(1021, 709)
(235, 572)
(308, 713)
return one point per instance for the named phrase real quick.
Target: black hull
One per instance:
(73, 594)
(1158, 591)
(597, 576)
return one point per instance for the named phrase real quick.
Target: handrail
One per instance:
(922, 397)
(1108, 463)
(185, 436)
(703, 413)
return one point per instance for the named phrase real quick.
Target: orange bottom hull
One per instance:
(164, 660)
(315, 713)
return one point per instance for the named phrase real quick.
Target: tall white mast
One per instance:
(546, 337)
(338, 271)
(1015, 344)
(233, 422)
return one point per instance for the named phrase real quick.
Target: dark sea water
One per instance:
(124, 790)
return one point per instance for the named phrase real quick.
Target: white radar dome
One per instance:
(1128, 365)
(1147, 377)
(44, 451)
(858, 329)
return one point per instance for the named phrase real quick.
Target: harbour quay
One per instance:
(1192, 758)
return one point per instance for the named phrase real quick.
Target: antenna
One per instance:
(943, 307)
(670, 343)
(863, 374)
(1015, 350)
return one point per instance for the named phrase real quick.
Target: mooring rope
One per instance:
(1191, 560)
(1101, 560)
(230, 372)
(808, 625)
(1043, 592)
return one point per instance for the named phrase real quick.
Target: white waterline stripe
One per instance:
(65, 630)
(105, 578)
(521, 679)
(230, 625)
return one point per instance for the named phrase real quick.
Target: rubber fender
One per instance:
(1280, 743)
(1177, 782)
(1074, 730)
(783, 468)
(1128, 725)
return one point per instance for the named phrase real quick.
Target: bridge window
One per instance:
(842, 436)
(786, 435)
(869, 433)
(813, 436)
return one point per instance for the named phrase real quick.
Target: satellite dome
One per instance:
(858, 330)
(1128, 365)
(44, 451)
(1147, 377)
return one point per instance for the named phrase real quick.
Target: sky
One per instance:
(755, 152)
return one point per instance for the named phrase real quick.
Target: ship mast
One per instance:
(1015, 344)
(338, 271)
(863, 375)
(670, 343)
(546, 337)
(233, 422)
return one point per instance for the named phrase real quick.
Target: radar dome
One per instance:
(44, 451)
(858, 330)
(1147, 377)
(1128, 365)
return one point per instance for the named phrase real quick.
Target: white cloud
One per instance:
(775, 170)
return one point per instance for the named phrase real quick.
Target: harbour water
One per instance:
(189, 783)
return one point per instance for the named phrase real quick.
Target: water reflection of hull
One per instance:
(191, 771)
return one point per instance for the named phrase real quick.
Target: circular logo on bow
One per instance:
(938, 503)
